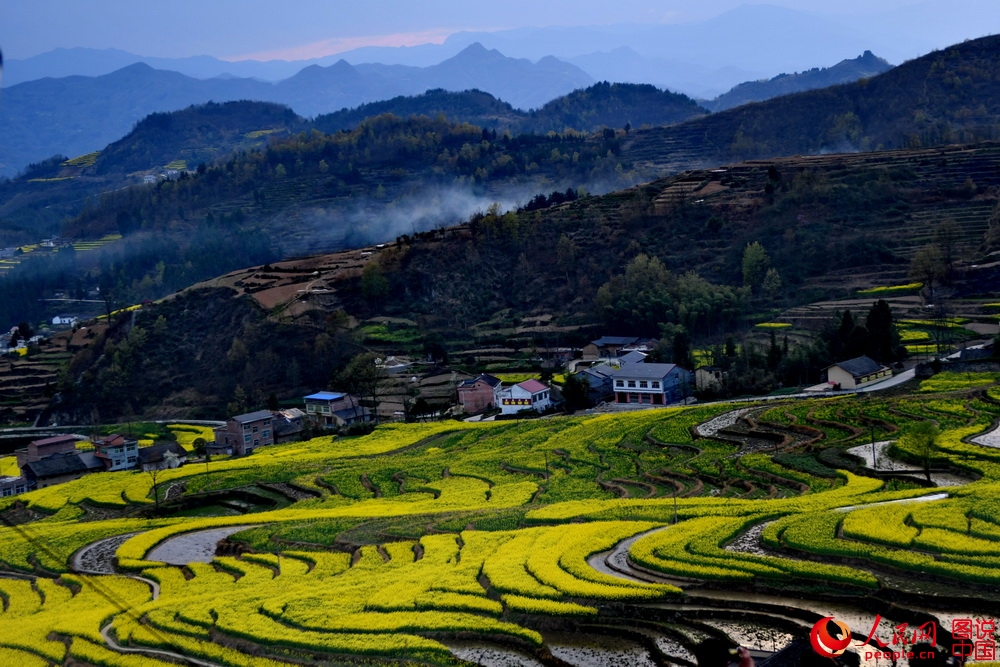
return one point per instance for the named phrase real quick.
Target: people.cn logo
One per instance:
(830, 644)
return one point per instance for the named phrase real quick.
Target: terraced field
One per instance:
(510, 543)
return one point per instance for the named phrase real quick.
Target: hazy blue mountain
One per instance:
(624, 65)
(846, 71)
(78, 114)
(602, 105)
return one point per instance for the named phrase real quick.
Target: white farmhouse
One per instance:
(857, 372)
(527, 395)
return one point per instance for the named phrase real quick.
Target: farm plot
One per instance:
(417, 534)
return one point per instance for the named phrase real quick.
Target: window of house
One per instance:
(656, 384)
(619, 383)
(643, 384)
(130, 459)
(631, 383)
(255, 429)
(266, 434)
(246, 438)
(8, 491)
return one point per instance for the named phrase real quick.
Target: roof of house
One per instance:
(644, 371)
(287, 422)
(253, 416)
(91, 460)
(113, 439)
(633, 357)
(603, 371)
(533, 386)
(58, 465)
(860, 366)
(156, 453)
(53, 440)
(976, 353)
(350, 413)
(485, 377)
(614, 340)
(326, 396)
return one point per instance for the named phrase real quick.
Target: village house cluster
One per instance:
(58, 459)
(614, 369)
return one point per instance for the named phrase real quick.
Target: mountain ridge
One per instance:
(76, 115)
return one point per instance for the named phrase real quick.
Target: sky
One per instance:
(302, 29)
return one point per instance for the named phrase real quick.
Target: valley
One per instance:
(437, 381)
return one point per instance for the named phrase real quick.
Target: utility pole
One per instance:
(874, 460)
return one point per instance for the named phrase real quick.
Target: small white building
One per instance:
(527, 395)
(857, 372)
(64, 319)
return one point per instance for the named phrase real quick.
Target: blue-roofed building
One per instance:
(333, 409)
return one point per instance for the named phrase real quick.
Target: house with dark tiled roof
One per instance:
(857, 372)
(612, 347)
(480, 393)
(244, 433)
(527, 395)
(288, 424)
(599, 384)
(60, 468)
(163, 456)
(651, 384)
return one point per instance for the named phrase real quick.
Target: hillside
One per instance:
(304, 193)
(829, 225)
(948, 96)
(846, 71)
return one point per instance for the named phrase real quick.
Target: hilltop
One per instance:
(948, 96)
(591, 109)
(846, 71)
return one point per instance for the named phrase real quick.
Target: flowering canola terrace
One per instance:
(493, 526)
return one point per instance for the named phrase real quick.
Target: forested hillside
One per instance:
(690, 260)
(602, 105)
(948, 96)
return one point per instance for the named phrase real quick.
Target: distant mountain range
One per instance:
(77, 114)
(74, 115)
(700, 58)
